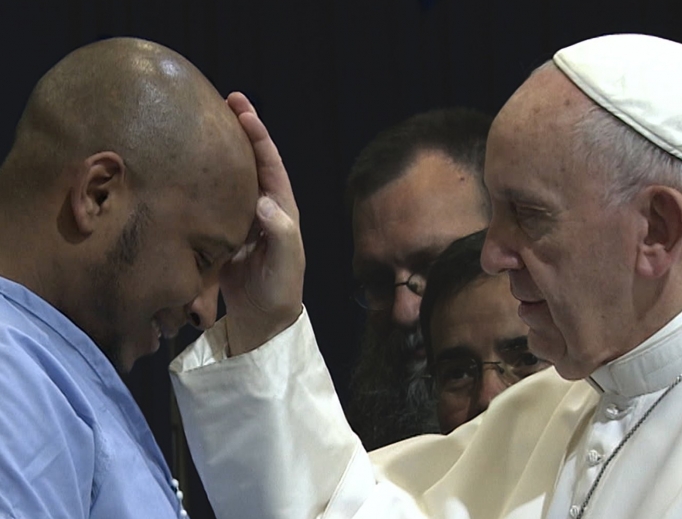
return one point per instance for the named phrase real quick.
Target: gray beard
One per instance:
(390, 400)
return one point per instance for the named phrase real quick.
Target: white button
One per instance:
(611, 412)
(179, 495)
(175, 483)
(183, 513)
(593, 458)
(574, 511)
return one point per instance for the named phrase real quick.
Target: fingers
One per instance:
(239, 103)
(274, 221)
(272, 175)
(285, 259)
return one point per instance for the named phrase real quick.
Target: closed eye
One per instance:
(204, 261)
(534, 221)
(525, 212)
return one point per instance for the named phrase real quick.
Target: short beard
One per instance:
(390, 399)
(106, 283)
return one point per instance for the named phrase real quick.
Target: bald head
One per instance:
(130, 184)
(136, 98)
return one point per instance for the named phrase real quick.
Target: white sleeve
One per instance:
(269, 437)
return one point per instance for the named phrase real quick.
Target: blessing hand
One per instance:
(263, 285)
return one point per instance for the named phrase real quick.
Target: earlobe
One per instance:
(662, 243)
(99, 178)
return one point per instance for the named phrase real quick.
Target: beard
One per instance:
(108, 291)
(390, 399)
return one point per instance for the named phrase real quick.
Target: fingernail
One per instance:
(266, 207)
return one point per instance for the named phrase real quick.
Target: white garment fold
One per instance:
(270, 440)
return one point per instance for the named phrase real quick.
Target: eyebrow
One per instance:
(529, 199)
(454, 352)
(425, 254)
(417, 257)
(219, 244)
(465, 350)
(511, 343)
(509, 193)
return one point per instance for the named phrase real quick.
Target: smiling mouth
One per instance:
(157, 328)
(161, 331)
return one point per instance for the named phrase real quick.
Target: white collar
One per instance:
(650, 367)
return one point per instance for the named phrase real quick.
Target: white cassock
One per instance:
(271, 441)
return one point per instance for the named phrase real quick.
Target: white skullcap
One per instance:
(637, 78)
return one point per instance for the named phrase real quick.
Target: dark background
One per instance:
(326, 76)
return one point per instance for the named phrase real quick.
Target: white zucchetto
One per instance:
(638, 78)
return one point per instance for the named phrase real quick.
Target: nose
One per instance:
(498, 254)
(405, 311)
(491, 386)
(202, 310)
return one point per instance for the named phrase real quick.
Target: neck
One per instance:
(27, 256)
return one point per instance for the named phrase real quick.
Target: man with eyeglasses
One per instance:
(416, 187)
(476, 344)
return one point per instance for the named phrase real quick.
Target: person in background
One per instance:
(476, 344)
(416, 187)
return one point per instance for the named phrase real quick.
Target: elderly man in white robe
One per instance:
(583, 168)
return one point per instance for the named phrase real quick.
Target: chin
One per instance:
(131, 352)
(570, 369)
(570, 374)
(549, 347)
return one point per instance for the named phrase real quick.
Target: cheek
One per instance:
(168, 282)
(380, 322)
(450, 416)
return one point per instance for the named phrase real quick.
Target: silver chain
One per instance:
(630, 433)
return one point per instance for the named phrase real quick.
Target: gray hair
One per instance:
(628, 161)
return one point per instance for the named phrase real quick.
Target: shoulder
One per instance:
(47, 453)
(516, 427)
(539, 396)
(39, 394)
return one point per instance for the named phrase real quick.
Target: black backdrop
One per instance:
(326, 75)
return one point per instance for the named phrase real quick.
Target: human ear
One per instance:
(99, 178)
(662, 243)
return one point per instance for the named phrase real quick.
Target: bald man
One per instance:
(584, 171)
(125, 203)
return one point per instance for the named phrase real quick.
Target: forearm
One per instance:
(266, 429)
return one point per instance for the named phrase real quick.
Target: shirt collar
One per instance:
(80, 344)
(650, 367)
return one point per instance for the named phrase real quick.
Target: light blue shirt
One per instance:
(73, 442)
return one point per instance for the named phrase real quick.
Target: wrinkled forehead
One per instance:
(536, 128)
(546, 100)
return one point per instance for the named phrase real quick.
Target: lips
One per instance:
(164, 330)
(532, 312)
(157, 328)
(525, 296)
(524, 289)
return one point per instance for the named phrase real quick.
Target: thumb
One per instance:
(283, 237)
(272, 218)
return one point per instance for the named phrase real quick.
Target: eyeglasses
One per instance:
(379, 295)
(460, 378)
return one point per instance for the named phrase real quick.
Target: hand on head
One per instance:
(263, 285)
